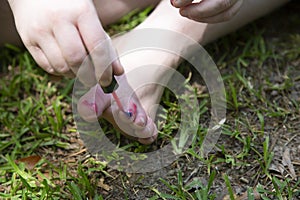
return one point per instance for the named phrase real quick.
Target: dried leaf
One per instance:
(276, 167)
(103, 185)
(286, 161)
(227, 197)
(245, 196)
(29, 161)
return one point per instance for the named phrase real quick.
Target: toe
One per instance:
(148, 131)
(140, 122)
(148, 140)
(129, 114)
(125, 117)
(91, 105)
(87, 110)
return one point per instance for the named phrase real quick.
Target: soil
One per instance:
(283, 131)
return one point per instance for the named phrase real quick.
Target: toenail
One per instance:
(129, 114)
(91, 106)
(143, 122)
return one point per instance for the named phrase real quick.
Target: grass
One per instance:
(42, 156)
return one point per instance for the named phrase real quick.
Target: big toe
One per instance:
(91, 105)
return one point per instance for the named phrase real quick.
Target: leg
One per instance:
(110, 12)
(142, 124)
(167, 17)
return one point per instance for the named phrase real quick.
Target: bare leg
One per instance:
(164, 17)
(139, 123)
(109, 12)
(167, 17)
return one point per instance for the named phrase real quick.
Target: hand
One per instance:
(59, 34)
(208, 11)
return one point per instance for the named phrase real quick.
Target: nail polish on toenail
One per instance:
(129, 114)
(91, 106)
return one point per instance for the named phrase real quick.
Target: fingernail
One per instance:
(177, 2)
(50, 70)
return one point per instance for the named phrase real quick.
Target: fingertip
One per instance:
(106, 78)
(181, 3)
(183, 12)
(63, 70)
(50, 70)
(172, 2)
(118, 69)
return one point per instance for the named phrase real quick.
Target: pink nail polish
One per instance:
(92, 106)
(131, 111)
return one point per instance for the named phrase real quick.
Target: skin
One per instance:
(59, 34)
(208, 11)
(83, 21)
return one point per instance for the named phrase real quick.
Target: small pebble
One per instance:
(244, 180)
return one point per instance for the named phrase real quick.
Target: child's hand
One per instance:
(208, 11)
(59, 34)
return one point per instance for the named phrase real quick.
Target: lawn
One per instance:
(256, 157)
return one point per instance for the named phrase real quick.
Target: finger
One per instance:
(95, 41)
(40, 58)
(117, 67)
(223, 16)
(53, 53)
(70, 74)
(180, 3)
(74, 53)
(86, 72)
(70, 44)
(207, 8)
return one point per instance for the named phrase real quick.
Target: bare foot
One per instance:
(140, 89)
(132, 119)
